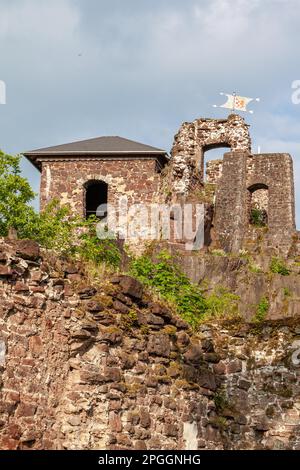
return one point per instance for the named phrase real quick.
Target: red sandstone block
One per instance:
(234, 366)
(26, 409)
(5, 271)
(39, 289)
(3, 257)
(35, 345)
(21, 287)
(6, 443)
(219, 368)
(28, 362)
(13, 396)
(28, 249)
(115, 422)
(14, 431)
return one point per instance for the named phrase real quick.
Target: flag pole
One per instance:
(234, 98)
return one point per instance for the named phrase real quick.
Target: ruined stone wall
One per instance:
(259, 199)
(214, 171)
(93, 366)
(65, 179)
(194, 138)
(259, 397)
(96, 364)
(249, 278)
(231, 215)
(272, 176)
(276, 172)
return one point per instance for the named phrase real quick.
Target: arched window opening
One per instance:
(258, 205)
(213, 162)
(96, 193)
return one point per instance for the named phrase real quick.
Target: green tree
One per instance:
(15, 195)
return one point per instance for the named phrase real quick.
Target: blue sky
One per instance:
(76, 69)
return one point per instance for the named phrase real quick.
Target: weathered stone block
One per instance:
(27, 249)
(131, 286)
(159, 345)
(94, 306)
(87, 292)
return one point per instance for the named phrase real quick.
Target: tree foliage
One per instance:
(15, 195)
(56, 227)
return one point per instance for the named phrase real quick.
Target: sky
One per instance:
(76, 69)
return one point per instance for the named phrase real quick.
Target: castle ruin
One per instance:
(89, 173)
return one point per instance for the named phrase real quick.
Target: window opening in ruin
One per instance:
(96, 193)
(258, 205)
(213, 160)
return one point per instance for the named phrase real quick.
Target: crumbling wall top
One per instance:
(195, 138)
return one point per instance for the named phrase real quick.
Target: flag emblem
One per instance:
(236, 102)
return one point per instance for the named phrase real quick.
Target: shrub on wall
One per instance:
(173, 286)
(222, 303)
(58, 229)
(277, 266)
(258, 217)
(261, 310)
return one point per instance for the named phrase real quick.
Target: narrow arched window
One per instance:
(96, 193)
(258, 204)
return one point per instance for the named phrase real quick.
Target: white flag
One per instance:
(235, 102)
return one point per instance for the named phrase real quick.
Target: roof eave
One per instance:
(95, 152)
(32, 156)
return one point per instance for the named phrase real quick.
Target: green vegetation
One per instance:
(218, 252)
(15, 195)
(277, 266)
(54, 228)
(166, 278)
(221, 302)
(258, 217)
(287, 292)
(173, 286)
(221, 400)
(207, 193)
(255, 268)
(261, 310)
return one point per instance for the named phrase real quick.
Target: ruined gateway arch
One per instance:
(240, 170)
(195, 138)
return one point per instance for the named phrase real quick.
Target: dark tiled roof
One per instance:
(107, 146)
(99, 145)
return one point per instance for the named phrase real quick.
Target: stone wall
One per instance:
(247, 276)
(243, 181)
(93, 366)
(275, 170)
(237, 177)
(214, 171)
(136, 178)
(231, 215)
(95, 363)
(258, 402)
(193, 139)
(244, 173)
